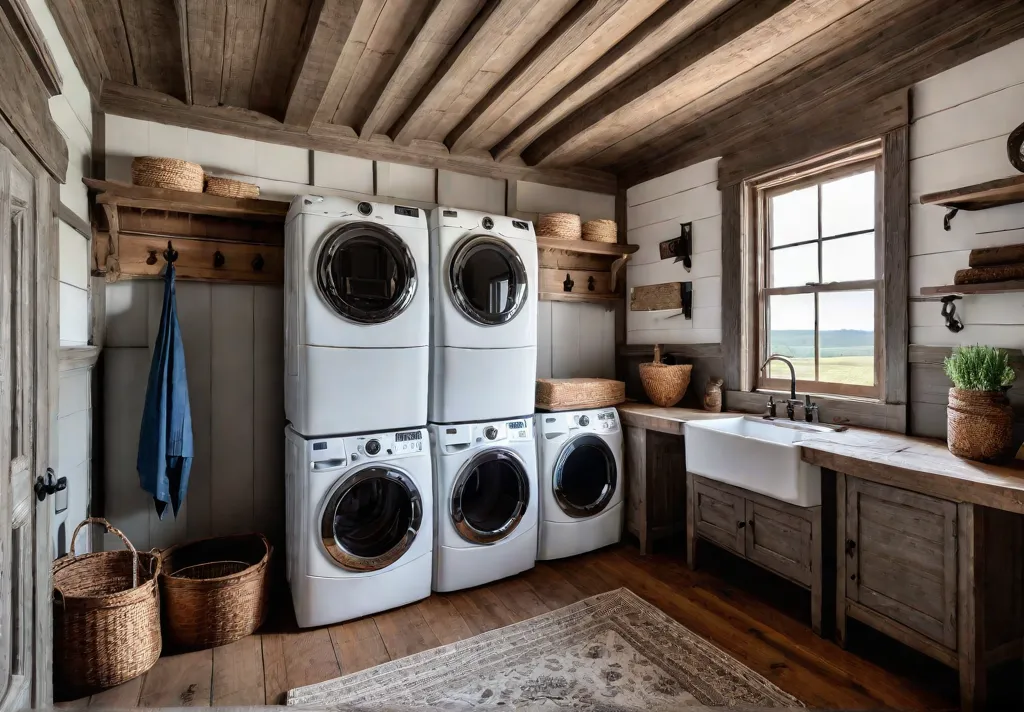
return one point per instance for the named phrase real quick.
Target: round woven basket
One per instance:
(214, 590)
(979, 424)
(171, 173)
(600, 231)
(561, 226)
(106, 616)
(228, 188)
(665, 385)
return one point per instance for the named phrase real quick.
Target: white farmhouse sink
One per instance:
(758, 455)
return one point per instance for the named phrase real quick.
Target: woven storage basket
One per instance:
(577, 393)
(665, 385)
(561, 226)
(106, 615)
(171, 173)
(228, 188)
(979, 424)
(600, 231)
(214, 590)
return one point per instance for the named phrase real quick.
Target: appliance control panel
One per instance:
(602, 421)
(469, 435)
(365, 448)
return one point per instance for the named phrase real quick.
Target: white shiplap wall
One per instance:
(961, 120)
(655, 210)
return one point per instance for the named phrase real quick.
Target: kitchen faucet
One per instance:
(810, 410)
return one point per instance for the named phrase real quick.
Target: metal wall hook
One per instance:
(950, 214)
(567, 284)
(590, 283)
(953, 322)
(170, 254)
(218, 259)
(258, 263)
(151, 260)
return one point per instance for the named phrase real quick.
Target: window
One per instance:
(820, 287)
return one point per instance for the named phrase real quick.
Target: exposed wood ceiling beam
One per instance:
(750, 33)
(205, 31)
(366, 20)
(675, 20)
(154, 41)
(279, 36)
(441, 29)
(243, 22)
(327, 29)
(181, 11)
(74, 24)
(137, 103)
(488, 49)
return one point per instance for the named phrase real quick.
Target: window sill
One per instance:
(839, 410)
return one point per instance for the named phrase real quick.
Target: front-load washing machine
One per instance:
(485, 494)
(360, 523)
(357, 311)
(484, 338)
(579, 457)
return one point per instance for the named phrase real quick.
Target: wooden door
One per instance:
(780, 541)
(901, 561)
(719, 516)
(25, 542)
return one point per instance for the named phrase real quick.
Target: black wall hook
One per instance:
(151, 260)
(218, 259)
(568, 284)
(170, 254)
(953, 322)
(258, 263)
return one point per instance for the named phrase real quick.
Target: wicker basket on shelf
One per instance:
(578, 393)
(664, 384)
(170, 173)
(600, 231)
(106, 615)
(560, 226)
(228, 188)
(214, 590)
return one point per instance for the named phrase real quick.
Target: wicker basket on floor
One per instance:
(228, 188)
(106, 616)
(214, 590)
(560, 226)
(664, 384)
(600, 231)
(170, 173)
(578, 393)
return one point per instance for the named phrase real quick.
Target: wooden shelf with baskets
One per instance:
(217, 238)
(582, 270)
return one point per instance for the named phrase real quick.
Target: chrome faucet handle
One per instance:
(791, 408)
(771, 406)
(810, 410)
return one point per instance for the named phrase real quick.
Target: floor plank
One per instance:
(238, 673)
(295, 659)
(404, 632)
(182, 680)
(551, 586)
(520, 599)
(443, 618)
(481, 610)
(358, 645)
(124, 695)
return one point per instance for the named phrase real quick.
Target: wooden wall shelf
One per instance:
(986, 288)
(581, 297)
(1005, 191)
(592, 271)
(586, 247)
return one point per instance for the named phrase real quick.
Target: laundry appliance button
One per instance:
(372, 447)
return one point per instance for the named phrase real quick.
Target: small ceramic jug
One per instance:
(713, 396)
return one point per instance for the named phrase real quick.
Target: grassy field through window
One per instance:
(847, 356)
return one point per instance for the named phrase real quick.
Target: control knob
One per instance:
(364, 208)
(372, 447)
(491, 432)
(584, 421)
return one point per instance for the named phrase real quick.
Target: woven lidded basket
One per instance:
(228, 188)
(561, 226)
(214, 590)
(106, 616)
(665, 385)
(578, 393)
(979, 424)
(171, 173)
(600, 231)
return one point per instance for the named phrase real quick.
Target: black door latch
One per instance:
(50, 485)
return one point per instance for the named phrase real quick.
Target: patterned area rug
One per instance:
(610, 652)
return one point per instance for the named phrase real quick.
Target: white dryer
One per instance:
(484, 338)
(580, 458)
(485, 493)
(357, 310)
(360, 523)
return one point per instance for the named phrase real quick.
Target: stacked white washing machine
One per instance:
(480, 412)
(359, 485)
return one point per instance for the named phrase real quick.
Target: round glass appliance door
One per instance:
(490, 496)
(366, 273)
(585, 476)
(487, 280)
(371, 518)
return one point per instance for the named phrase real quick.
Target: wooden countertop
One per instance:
(918, 464)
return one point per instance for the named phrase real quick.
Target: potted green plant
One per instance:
(979, 420)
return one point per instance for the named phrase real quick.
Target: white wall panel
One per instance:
(982, 75)
(343, 172)
(458, 190)
(401, 182)
(544, 339)
(74, 316)
(285, 163)
(219, 153)
(538, 198)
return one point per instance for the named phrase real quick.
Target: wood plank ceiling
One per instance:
(574, 91)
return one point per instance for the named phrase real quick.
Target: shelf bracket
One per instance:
(953, 322)
(950, 214)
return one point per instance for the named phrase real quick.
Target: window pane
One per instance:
(794, 216)
(794, 266)
(791, 334)
(847, 339)
(848, 258)
(848, 204)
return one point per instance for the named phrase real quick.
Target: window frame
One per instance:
(816, 172)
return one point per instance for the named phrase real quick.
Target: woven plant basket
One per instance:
(979, 424)
(228, 188)
(560, 226)
(665, 385)
(214, 590)
(170, 173)
(106, 617)
(578, 393)
(600, 231)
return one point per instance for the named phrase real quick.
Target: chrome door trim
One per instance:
(598, 505)
(466, 530)
(457, 264)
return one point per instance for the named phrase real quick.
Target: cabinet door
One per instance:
(779, 541)
(901, 557)
(720, 516)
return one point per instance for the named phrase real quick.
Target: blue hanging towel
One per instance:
(165, 441)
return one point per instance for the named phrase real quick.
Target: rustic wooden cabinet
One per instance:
(655, 485)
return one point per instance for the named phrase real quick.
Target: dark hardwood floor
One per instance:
(758, 619)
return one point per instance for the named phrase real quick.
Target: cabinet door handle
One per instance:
(850, 546)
